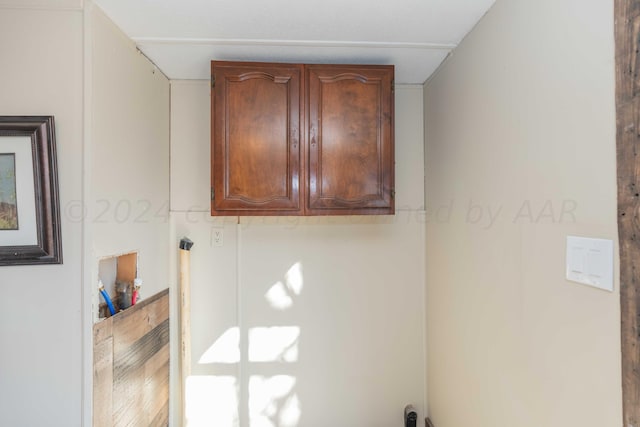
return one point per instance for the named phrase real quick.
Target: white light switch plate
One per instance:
(590, 261)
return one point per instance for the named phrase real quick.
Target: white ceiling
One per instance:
(182, 36)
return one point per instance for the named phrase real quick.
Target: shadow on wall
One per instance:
(272, 400)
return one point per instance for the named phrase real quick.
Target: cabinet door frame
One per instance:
(223, 200)
(382, 201)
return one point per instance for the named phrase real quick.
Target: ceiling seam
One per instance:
(306, 43)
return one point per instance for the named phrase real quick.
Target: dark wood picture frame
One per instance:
(40, 132)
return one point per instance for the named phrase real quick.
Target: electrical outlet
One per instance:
(217, 236)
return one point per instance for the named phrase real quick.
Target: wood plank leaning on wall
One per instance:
(131, 366)
(627, 31)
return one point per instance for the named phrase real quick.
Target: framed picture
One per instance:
(29, 206)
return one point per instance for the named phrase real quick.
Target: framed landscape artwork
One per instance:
(8, 201)
(29, 206)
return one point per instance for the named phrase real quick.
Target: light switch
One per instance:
(590, 261)
(577, 259)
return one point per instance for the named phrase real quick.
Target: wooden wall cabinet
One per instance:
(294, 139)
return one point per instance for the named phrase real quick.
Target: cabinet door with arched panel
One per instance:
(256, 130)
(350, 139)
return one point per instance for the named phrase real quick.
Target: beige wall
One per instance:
(112, 125)
(520, 153)
(128, 156)
(128, 150)
(321, 318)
(40, 316)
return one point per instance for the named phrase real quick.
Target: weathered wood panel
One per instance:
(627, 33)
(102, 373)
(131, 366)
